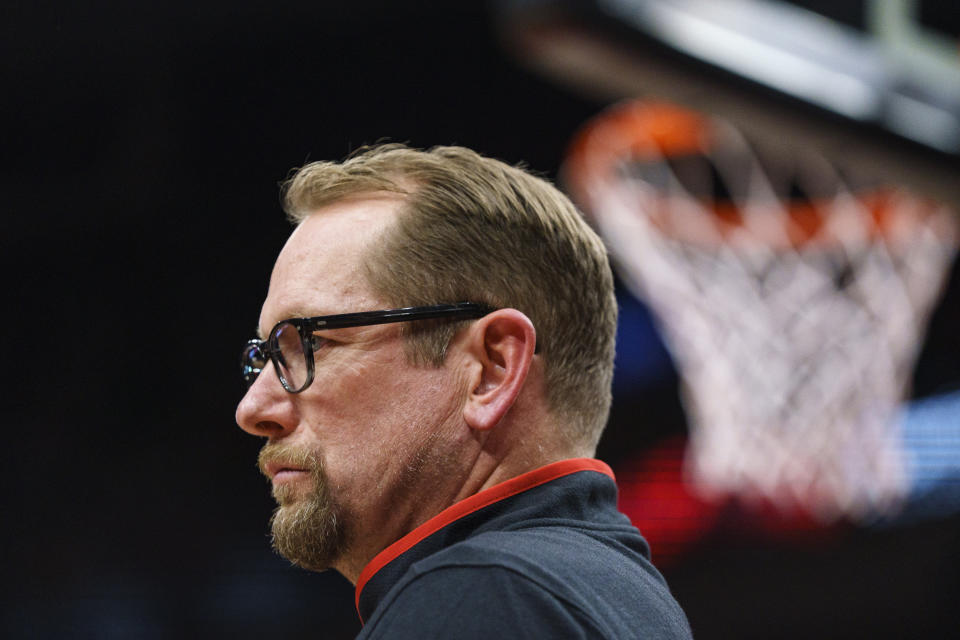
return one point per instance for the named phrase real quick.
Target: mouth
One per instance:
(288, 468)
(278, 471)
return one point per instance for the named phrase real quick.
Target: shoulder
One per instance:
(548, 582)
(479, 601)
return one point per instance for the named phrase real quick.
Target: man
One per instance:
(440, 328)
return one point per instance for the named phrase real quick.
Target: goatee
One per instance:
(306, 529)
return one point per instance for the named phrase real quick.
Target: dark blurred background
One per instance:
(141, 149)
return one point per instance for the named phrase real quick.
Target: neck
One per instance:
(449, 473)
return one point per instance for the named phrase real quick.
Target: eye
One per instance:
(317, 343)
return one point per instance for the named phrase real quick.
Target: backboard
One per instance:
(873, 85)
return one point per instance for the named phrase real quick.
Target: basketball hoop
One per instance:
(793, 298)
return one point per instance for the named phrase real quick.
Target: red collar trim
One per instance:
(488, 496)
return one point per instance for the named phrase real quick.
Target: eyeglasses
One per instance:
(291, 343)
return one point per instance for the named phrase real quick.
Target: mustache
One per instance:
(288, 456)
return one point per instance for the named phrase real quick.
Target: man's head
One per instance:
(402, 420)
(474, 228)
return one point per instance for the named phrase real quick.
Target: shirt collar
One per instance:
(474, 503)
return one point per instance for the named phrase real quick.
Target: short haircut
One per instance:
(475, 229)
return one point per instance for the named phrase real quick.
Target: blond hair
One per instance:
(476, 229)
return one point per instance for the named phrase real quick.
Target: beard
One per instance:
(306, 529)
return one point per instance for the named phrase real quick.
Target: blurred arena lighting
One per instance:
(931, 442)
(676, 519)
(642, 359)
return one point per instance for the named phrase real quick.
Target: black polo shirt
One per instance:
(542, 555)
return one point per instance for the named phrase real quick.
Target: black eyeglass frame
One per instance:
(306, 326)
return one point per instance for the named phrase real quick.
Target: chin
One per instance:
(308, 530)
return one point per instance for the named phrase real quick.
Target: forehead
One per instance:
(319, 271)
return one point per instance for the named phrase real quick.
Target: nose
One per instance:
(266, 409)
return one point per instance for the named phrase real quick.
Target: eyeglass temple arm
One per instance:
(462, 309)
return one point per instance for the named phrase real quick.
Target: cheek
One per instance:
(417, 400)
(398, 420)
(371, 412)
(388, 388)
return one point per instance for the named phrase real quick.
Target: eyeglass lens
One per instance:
(291, 359)
(253, 361)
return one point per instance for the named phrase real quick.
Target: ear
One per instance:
(502, 344)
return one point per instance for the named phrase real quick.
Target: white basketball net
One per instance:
(793, 355)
